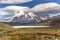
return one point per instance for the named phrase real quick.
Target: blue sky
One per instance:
(54, 14)
(31, 4)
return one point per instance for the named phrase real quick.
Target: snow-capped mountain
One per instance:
(46, 9)
(21, 14)
(27, 15)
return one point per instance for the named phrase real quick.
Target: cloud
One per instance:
(14, 1)
(46, 7)
(27, 14)
(24, 14)
(54, 15)
(8, 13)
(21, 8)
(6, 16)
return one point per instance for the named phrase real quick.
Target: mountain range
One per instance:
(23, 14)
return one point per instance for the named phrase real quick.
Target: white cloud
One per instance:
(6, 16)
(12, 12)
(27, 15)
(18, 8)
(23, 13)
(45, 7)
(14, 1)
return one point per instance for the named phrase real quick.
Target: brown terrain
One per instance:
(47, 33)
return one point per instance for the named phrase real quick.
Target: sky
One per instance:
(54, 14)
(31, 3)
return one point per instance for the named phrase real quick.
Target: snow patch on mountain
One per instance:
(29, 15)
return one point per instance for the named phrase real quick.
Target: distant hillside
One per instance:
(9, 33)
(4, 27)
(55, 23)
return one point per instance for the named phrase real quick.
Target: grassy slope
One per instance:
(7, 29)
(4, 26)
